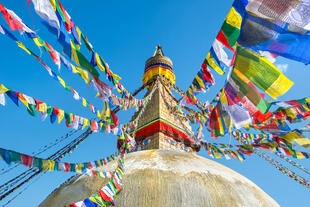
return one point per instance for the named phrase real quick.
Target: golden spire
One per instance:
(158, 64)
(158, 51)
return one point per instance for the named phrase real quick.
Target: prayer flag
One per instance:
(261, 72)
(239, 115)
(46, 11)
(292, 12)
(298, 138)
(277, 37)
(248, 94)
(14, 23)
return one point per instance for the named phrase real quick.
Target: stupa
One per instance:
(166, 172)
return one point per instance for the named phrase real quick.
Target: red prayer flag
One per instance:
(206, 75)
(221, 37)
(13, 23)
(104, 196)
(27, 160)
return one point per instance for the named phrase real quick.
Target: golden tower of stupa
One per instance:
(157, 123)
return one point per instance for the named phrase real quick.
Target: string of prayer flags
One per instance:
(299, 166)
(75, 55)
(217, 58)
(72, 120)
(57, 78)
(97, 174)
(10, 156)
(271, 144)
(251, 138)
(217, 151)
(298, 138)
(294, 113)
(291, 103)
(56, 57)
(106, 195)
(71, 47)
(284, 169)
(125, 103)
(74, 69)
(228, 35)
(261, 72)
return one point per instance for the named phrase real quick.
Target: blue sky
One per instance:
(125, 34)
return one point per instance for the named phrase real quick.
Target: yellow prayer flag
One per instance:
(213, 65)
(79, 32)
(116, 77)
(106, 112)
(81, 72)
(78, 168)
(118, 89)
(84, 102)
(62, 82)
(3, 89)
(74, 70)
(307, 108)
(261, 72)
(74, 55)
(45, 165)
(102, 68)
(61, 115)
(23, 47)
(280, 86)
(98, 200)
(238, 156)
(51, 165)
(299, 155)
(42, 107)
(200, 81)
(98, 114)
(298, 138)
(53, 4)
(217, 155)
(234, 18)
(223, 98)
(85, 124)
(101, 174)
(37, 42)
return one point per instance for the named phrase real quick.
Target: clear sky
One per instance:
(125, 34)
